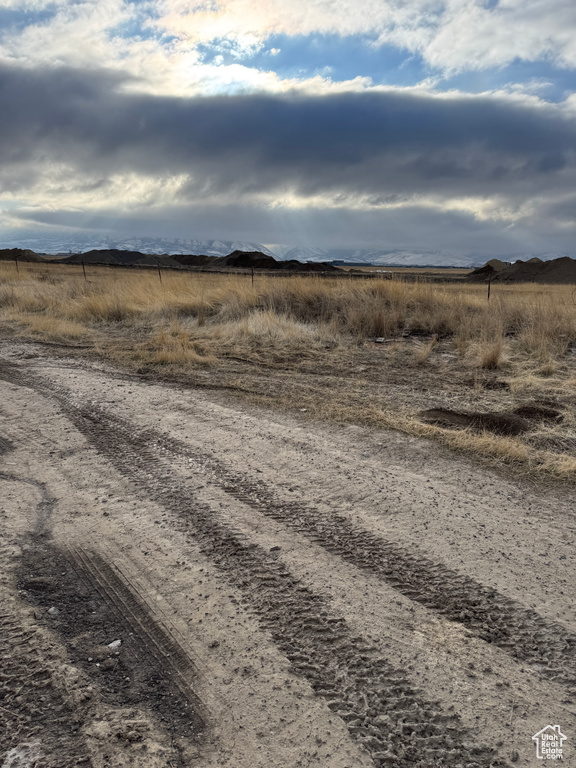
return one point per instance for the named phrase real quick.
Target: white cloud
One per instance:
(471, 36)
(157, 41)
(85, 35)
(77, 34)
(454, 35)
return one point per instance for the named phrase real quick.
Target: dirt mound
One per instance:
(488, 271)
(235, 260)
(562, 270)
(193, 260)
(258, 260)
(250, 260)
(116, 257)
(509, 424)
(316, 266)
(22, 254)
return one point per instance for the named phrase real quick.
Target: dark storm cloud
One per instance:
(416, 227)
(375, 143)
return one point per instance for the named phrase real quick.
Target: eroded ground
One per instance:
(284, 593)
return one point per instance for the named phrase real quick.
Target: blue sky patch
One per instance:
(139, 26)
(15, 20)
(340, 58)
(344, 58)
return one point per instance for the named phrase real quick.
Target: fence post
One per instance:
(489, 281)
(17, 267)
(84, 270)
(159, 272)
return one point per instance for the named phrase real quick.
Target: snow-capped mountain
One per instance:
(381, 257)
(65, 242)
(308, 254)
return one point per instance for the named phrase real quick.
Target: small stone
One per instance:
(115, 644)
(53, 611)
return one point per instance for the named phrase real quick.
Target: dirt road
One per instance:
(189, 581)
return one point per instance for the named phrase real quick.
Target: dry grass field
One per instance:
(495, 379)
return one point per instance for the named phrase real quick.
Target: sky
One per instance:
(415, 124)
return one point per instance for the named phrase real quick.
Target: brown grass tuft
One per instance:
(173, 346)
(491, 354)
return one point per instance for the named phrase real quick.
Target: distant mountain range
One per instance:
(115, 257)
(534, 270)
(383, 258)
(68, 243)
(65, 244)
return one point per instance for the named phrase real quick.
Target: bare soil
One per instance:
(189, 580)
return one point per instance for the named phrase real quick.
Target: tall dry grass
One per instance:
(540, 323)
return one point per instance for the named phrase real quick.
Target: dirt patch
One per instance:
(110, 637)
(509, 424)
(537, 412)
(506, 424)
(489, 384)
(36, 719)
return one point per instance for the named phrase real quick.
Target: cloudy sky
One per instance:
(422, 124)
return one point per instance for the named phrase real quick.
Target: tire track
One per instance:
(31, 706)
(488, 615)
(95, 606)
(169, 659)
(381, 709)
(492, 617)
